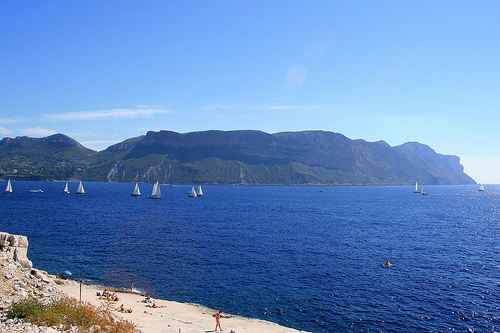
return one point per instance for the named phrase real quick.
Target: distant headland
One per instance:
(246, 157)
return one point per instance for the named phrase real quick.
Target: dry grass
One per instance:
(68, 312)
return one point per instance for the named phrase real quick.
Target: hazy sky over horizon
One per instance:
(105, 71)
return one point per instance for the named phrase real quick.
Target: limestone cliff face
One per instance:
(254, 157)
(233, 157)
(16, 247)
(18, 280)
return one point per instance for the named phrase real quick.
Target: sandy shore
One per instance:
(171, 317)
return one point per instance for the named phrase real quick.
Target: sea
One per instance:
(306, 257)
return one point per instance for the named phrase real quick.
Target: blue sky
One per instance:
(398, 71)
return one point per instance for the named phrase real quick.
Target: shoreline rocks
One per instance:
(17, 247)
(19, 280)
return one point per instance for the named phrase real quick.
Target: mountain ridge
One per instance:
(234, 157)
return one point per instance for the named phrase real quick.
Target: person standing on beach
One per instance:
(131, 286)
(217, 320)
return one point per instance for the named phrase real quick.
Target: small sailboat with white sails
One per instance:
(80, 189)
(193, 193)
(156, 193)
(8, 189)
(423, 192)
(416, 190)
(481, 188)
(66, 188)
(199, 192)
(137, 192)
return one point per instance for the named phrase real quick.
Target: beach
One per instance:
(19, 280)
(168, 317)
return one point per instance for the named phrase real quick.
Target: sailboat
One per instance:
(423, 192)
(66, 188)
(416, 190)
(80, 189)
(8, 189)
(481, 188)
(136, 192)
(199, 192)
(156, 193)
(193, 193)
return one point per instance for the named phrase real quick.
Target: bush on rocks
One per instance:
(67, 313)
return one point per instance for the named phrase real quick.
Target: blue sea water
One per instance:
(289, 254)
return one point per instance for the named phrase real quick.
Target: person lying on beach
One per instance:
(105, 295)
(155, 306)
(121, 308)
(113, 297)
(108, 296)
(147, 300)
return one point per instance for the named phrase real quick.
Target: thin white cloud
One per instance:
(280, 107)
(6, 131)
(106, 114)
(37, 131)
(262, 107)
(292, 107)
(214, 107)
(7, 121)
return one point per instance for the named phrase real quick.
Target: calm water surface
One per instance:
(289, 254)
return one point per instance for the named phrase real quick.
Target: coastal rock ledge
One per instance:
(19, 280)
(17, 247)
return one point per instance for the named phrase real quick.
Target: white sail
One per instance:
(416, 188)
(193, 193)
(66, 188)
(156, 193)
(8, 189)
(481, 188)
(136, 192)
(199, 192)
(423, 192)
(80, 189)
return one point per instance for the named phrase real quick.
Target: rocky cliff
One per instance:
(253, 157)
(16, 247)
(18, 280)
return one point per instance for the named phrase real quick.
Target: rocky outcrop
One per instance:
(19, 280)
(16, 247)
(115, 172)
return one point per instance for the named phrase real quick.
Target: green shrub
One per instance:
(69, 312)
(25, 308)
